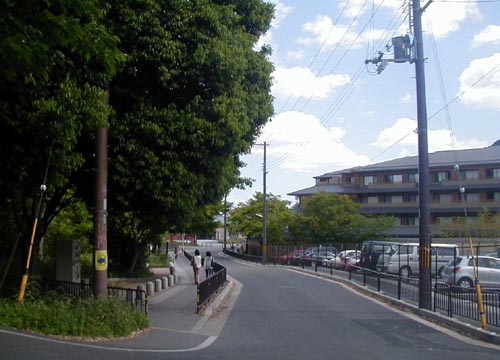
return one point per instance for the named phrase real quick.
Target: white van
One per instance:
(404, 261)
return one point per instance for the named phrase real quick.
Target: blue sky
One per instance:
(332, 111)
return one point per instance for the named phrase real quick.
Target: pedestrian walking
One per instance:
(175, 253)
(209, 264)
(196, 264)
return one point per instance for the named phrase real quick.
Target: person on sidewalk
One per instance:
(196, 264)
(209, 264)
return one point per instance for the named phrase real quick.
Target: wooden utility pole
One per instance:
(100, 215)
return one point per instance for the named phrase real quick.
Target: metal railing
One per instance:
(210, 286)
(457, 301)
(136, 298)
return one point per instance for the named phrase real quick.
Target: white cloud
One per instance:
(406, 99)
(301, 82)
(490, 35)
(480, 83)
(298, 142)
(324, 33)
(403, 136)
(447, 17)
(294, 55)
(355, 7)
(280, 12)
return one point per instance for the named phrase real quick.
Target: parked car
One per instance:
(405, 259)
(340, 260)
(291, 257)
(351, 263)
(460, 272)
(372, 250)
(319, 258)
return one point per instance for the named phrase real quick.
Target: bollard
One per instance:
(157, 285)
(170, 280)
(172, 270)
(164, 282)
(150, 288)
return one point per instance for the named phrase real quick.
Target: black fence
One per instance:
(136, 298)
(211, 285)
(457, 301)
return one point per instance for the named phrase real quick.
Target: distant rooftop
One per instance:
(487, 155)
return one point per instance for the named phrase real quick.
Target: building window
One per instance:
(410, 198)
(407, 220)
(445, 220)
(369, 179)
(371, 199)
(413, 177)
(442, 198)
(469, 174)
(472, 197)
(394, 179)
(493, 173)
(440, 176)
(493, 196)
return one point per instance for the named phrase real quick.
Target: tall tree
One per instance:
(246, 219)
(192, 97)
(327, 217)
(54, 56)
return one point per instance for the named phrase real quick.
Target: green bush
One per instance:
(70, 316)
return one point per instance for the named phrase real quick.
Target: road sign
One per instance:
(101, 260)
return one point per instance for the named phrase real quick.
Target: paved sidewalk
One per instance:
(174, 323)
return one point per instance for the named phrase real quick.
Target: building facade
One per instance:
(462, 182)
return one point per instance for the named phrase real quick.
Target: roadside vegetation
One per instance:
(72, 316)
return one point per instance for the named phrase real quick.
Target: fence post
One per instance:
(399, 287)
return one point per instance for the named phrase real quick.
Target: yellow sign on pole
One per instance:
(101, 260)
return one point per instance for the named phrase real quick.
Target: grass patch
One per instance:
(71, 316)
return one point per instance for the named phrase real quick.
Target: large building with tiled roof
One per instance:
(391, 187)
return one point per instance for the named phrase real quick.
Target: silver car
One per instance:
(460, 272)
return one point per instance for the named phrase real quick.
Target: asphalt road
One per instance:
(279, 313)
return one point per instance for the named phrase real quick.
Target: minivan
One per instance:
(405, 260)
(372, 251)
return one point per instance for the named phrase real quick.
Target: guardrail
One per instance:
(210, 286)
(136, 298)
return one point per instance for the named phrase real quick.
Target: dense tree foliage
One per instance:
(327, 217)
(54, 56)
(246, 219)
(188, 94)
(192, 96)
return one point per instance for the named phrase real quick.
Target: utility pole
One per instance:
(425, 286)
(264, 208)
(225, 222)
(100, 215)
(403, 49)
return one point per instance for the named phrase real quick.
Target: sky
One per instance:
(333, 112)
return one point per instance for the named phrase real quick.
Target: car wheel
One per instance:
(465, 283)
(405, 271)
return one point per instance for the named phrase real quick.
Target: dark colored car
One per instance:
(372, 250)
